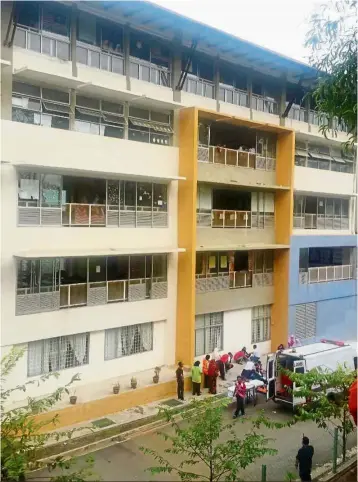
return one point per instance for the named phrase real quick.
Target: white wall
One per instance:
(237, 332)
(308, 180)
(97, 370)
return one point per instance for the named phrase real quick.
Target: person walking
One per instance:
(213, 375)
(196, 378)
(206, 370)
(304, 460)
(240, 394)
(180, 381)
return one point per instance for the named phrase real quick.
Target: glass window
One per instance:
(129, 193)
(97, 269)
(87, 28)
(144, 195)
(29, 189)
(200, 265)
(303, 259)
(54, 354)
(56, 19)
(117, 268)
(160, 266)
(345, 207)
(137, 267)
(90, 103)
(55, 95)
(209, 330)
(51, 190)
(160, 196)
(139, 46)
(28, 14)
(111, 107)
(160, 117)
(128, 340)
(111, 37)
(28, 276)
(138, 134)
(26, 89)
(261, 323)
(139, 113)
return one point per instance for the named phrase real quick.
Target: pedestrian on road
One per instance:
(205, 371)
(196, 378)
(180, 381)
(304, 460)
(213, 373)
(240, 394)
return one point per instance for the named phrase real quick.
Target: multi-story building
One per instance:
(160, 197)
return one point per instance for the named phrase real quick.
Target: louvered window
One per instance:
(305, 321)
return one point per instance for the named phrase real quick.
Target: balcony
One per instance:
(235, 157)
(55, 200)
(324, 274)
(58, 283)
(219, 218)
(321, 213)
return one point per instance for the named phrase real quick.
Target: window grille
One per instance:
(209, 330)
(128, 340)
(261, 323)
(55, 354)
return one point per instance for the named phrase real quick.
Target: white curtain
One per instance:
(34, 363)
(80, 348)
(111, 337)
(119, 348)
(147, 336)
(62, 353)
(46, 355)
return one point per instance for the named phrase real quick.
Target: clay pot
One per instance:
(73, 399)
(156, 379)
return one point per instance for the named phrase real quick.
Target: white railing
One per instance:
(320, 221)
(231, 95)
(298, 113)
(232, 280)
(264, 104)
(98, 58)
(43, 43)
(78, 214)
(149, 72)
(235, 157)
(230, 219)
(324, 274)
(197, 86)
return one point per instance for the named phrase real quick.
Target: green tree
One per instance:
(332, 38)
(21, 434)
(197, 441)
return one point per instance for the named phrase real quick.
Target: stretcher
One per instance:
(252, 387)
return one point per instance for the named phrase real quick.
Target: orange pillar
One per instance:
(283, 231)
(185, 328)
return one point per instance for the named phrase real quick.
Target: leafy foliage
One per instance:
(197, 441)
(21, 434)
(333, 41)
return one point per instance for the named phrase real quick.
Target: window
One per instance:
(128, 340)
(261, 323)
(305, 321)
(149, 126)
(209, 329)
(40, 106)
(54, 354)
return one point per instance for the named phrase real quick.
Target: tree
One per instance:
(21, 434)
(327, 395)
(197, 441)
(332, 39)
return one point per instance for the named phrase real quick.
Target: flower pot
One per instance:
(116, 389)
(73, 399)
(156, 379)
(134, 383)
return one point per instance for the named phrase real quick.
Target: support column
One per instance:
(307, 107)
(74, 17)
(283, 96)
(283, 232)
(217, 83)
(6, 71)
(126, 115)
(73, 95)
(185, 328)
(249, 91)
(126, 35)
(176, 67)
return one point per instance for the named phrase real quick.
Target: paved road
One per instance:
(125, 462)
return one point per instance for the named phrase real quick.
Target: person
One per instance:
(221, 368)
(213, 374)
(241, 356)
(251, 371)
(352, 401)
(180, 381)
(255, 357)
(196, 378)
(205, 371)
(216, 354)
(304, 460)
(280, 347)
(227, 360)
(240, 394)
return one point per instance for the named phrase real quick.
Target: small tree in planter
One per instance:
(116, 388)
(134, 382)
(156, 376)
(73, 398)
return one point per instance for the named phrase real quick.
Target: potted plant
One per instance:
(156, 376)
(73, 398)
(116, 388)
(134, 382)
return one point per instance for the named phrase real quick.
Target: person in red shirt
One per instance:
(352, 401)
(240, 394)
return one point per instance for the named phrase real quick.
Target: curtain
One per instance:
(111, 339)
(62, 353)
(119, 348)
(147, 336)
(79, 347)
(46, 356)
(34, 358)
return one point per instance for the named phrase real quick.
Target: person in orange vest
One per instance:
(352, 401)
(205, 371)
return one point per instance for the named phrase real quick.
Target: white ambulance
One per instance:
(324, 356)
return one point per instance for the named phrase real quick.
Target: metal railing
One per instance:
(264, 104)
(235, 157)
(149, 72)
(231, 95)
(298, 113)
(42, 43)
(98, 58)
(197, 86)
(324, 274)
(218, 218)
(232, 280)
(77, 214)
(320, 221)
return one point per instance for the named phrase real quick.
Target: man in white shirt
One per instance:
(255, 357)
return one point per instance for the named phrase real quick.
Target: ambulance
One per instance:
(324, 356)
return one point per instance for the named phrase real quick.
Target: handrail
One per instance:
(320, 221)
(323, 274)
(51, 49)
(203, 87)
(157, 74)
(83, 214)
(264, 104)
(233, 280)
(235, 157)
(230, 219)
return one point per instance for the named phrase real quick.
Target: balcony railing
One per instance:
(42, 43)
(232, 280)
(100, 59)
(218, 218)
(235, 157)
(231, 95)
(149, 72)
(324, 274)
(197, 86)
(264, 104)
(89, 294)
(319, 221)
(90, 215)
(298, 113)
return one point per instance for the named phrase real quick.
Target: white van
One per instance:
(326, 355)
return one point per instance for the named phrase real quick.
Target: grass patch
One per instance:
(102, 423)
(172, 403)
